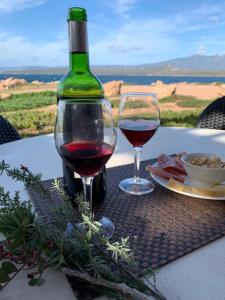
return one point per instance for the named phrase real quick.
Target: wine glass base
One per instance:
(107, 227)
(136, 187)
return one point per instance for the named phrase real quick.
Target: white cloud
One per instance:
(136, 41)
(13, 5)
(214, 18)
(122, 7)
(201, 18)
(19, 51)
(156, 39)
(201, 50)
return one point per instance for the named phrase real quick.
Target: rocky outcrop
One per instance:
(158, 87)
(37, 82)
(52, 82)
(112, 88)
(11, 83)
(135, 88)
(164, 90)
(115, 88)
(200, 91)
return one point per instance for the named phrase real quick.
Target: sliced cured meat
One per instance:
(178, 158)
(158, 171)
(171, 164)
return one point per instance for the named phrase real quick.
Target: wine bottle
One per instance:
(80, 83)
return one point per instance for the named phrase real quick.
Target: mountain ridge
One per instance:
(191, 65)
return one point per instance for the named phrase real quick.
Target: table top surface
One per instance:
(195, 276)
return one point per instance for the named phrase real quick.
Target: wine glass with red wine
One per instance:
(85, 138)
(139, 119)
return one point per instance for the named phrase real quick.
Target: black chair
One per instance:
(213, 116)
(7, 132)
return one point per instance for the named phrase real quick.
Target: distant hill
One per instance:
(191, 65)
(202, 63)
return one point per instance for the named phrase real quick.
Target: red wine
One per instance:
(86, 158)
(138, 132)
(72, 182)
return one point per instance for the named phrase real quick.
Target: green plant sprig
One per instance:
(79, 251)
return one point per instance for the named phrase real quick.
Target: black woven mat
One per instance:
(167, 225)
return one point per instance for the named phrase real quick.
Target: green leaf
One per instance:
(32, 282)
(89, 235)
(149, 272)
(4, 277)
(61, 259)
(40, 281)
(17, 240)
(36, 282)
(26, 221)
(8, 267)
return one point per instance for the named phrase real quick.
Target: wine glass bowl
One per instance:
(85, 138)
(139, 119)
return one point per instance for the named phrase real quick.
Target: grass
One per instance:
(176, 98)
(31, 122)
(185, 101)
(169, 99)
(116, 102)
(36, 123)
(179, 119)
(136, 104)
(195, 103)
(28, 101)
(171, 118)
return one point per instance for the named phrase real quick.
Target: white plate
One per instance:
(164, 182)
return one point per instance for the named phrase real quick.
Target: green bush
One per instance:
(179, 119)
(185, 101)
(195, 103)
(168, 99)
(28, 101)
(115, 103)
(136, 104)
(171, 118)
(31, 121)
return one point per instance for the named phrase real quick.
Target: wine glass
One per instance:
(85, 138)
(139, 119)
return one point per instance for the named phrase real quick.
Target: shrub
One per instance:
(28, 101)
(195, 103)
(33, 122)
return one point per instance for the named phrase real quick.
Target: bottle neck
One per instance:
(79, 61)
(78, 45)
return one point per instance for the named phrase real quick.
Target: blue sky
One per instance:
(34, 32)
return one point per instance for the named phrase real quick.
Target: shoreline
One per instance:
(126, 75)
(114, 88)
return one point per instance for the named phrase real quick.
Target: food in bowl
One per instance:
(204, 169)
(208, 162)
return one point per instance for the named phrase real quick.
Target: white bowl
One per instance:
(200, 175)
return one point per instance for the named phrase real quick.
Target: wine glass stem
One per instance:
(137, 159)
(87, 183)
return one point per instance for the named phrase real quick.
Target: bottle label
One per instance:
(78, 36)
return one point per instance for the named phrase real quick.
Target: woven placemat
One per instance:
(167, 225)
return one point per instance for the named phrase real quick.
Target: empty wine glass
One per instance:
(85, 138)
(139, 119)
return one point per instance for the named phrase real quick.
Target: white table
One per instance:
(199, 275)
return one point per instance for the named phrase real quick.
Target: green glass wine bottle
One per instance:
(80, 83)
